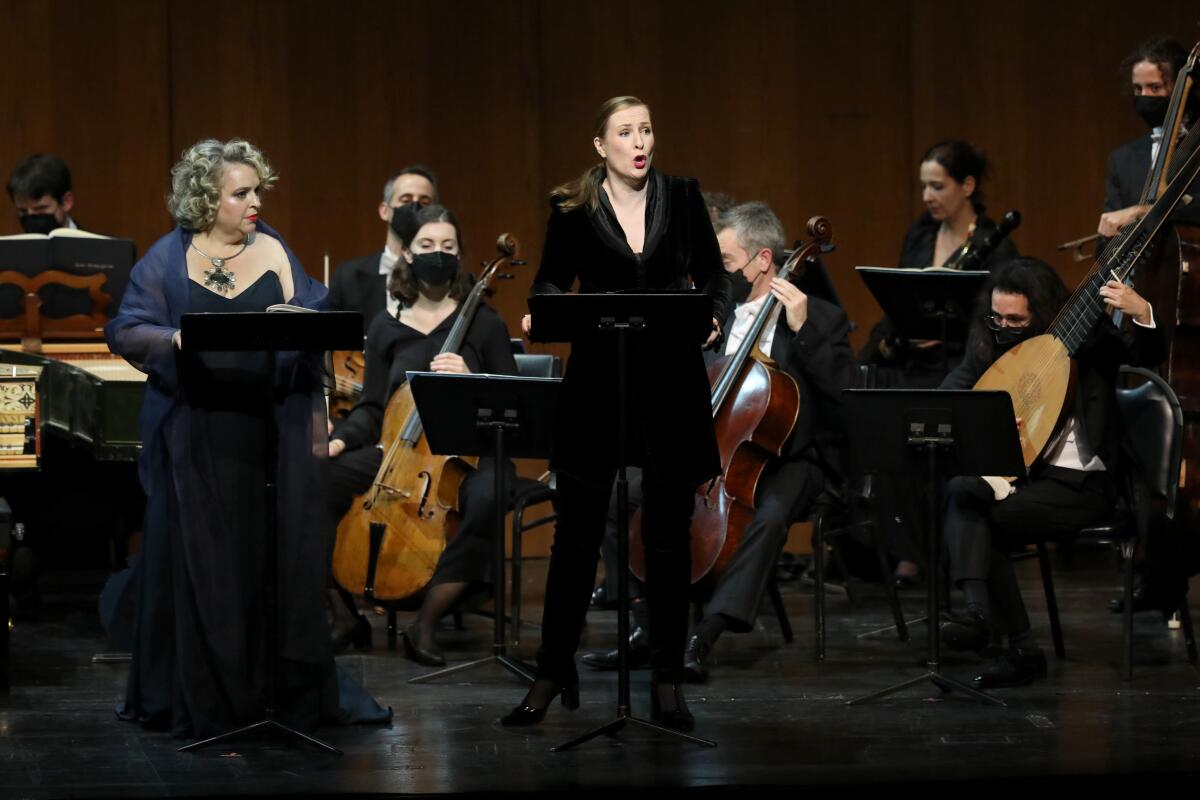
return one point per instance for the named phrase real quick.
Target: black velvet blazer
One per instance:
(670, 421)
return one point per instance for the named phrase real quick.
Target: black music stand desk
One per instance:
(940, 433)
(310, 332)
(669, 321)
(504, 416)
(926, 303)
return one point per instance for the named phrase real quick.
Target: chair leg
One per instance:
(391, 629)
(1127, 628)
(785, 625)
(515, 587)
(889, 584)
(1060, 650)
(819, 583)
(841, 565)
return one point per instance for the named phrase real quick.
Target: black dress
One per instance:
(200, 659)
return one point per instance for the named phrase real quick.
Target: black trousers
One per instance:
(582, 509)
(980, 531)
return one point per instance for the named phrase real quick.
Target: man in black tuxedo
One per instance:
(40, 189)
(1071, 487)
(1152, 68)
(361, 283)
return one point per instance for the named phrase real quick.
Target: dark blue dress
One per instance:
(199, 656)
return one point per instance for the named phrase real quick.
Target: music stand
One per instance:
(941, 433)
(926, 304)
(671, 320)
(270, 332)
(514, 418)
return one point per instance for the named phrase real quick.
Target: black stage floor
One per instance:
(779, 718)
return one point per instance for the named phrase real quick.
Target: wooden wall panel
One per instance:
(88, 82)
(815, 107)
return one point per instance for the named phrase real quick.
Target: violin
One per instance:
(389, 542)
(755, 407)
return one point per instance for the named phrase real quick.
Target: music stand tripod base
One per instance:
(270, 725)
(513, 418)
(612, 727)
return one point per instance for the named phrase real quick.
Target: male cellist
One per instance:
(809, 340)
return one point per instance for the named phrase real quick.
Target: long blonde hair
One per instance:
(584, 190)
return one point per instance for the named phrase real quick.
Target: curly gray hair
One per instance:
(196, 179)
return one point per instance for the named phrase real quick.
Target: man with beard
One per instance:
(1072, 487)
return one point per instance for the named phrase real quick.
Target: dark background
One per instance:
(815, 107)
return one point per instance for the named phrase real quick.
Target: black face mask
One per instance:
(436, 268)
(39, 223)
(741, 285)
(403, 221)
(1152, 110)
(1006, 338)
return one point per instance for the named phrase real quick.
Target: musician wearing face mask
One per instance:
(361, 283)
(40, 189)
(807, 338)
(1072, 487)
(429, 284)
(1151, 69)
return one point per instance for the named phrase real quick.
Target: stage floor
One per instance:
(779, 718)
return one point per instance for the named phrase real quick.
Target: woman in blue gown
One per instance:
(199, 656)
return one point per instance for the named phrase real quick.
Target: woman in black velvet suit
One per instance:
(623, 225)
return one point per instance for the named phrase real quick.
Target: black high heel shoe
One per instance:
(529, 714)
(677, 718)
(414, 652)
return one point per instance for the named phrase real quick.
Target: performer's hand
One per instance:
(449, 362)
(328, 427)
(1122, 297)
(526, 323)
(1112, 222)
(712, 337)
(795, 302)
(177, 339)
(336, 446)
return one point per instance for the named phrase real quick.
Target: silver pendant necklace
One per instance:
(218, 278)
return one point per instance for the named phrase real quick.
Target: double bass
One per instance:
(755, 408)
(389, 542)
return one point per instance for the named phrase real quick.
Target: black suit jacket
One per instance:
(1128, 167)
(820, 360)
(670, 418)
(357, 286)
(1098, 362)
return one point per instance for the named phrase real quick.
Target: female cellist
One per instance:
(622, 225)
(430, 283)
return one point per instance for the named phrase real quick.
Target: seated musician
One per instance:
(1152, 68)
(985, 517)
(361, 283)
(40, 189)
(808, 339)
(952, 174)
(429, 284)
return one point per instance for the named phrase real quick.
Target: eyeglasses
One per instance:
(999, 321)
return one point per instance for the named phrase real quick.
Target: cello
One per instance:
(754, 408)
(389, 542)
